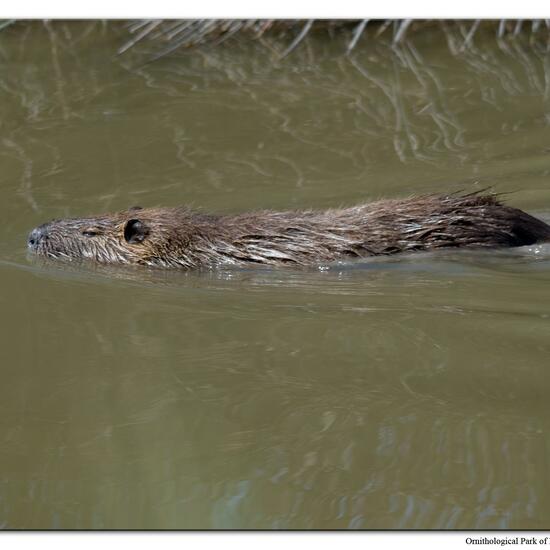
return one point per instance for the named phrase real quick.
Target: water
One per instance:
(400, 393)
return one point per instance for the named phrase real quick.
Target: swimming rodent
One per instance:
(182, 238)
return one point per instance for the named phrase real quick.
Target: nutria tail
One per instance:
(526, 229)
(518, 228)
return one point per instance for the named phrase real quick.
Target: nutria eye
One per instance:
(90, 232)
(135, 231)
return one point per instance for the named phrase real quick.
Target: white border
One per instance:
(388, 9)
(272, 540)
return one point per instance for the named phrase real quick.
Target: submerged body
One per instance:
(182, 238)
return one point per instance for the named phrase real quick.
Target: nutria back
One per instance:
(182, 238)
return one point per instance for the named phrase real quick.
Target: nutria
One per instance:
(179, 237)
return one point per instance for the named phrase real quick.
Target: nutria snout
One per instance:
(182, 238)
(36, 235)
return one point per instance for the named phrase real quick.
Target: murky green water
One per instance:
(408, 393)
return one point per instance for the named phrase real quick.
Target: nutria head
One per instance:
(134, 236)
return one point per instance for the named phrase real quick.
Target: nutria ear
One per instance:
(132, 208)
(135, 231)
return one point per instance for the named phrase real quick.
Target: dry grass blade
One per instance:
(357, 34)
(6, 23)
(231, 31)
(383, 27)
(170, 31)
(192, 35)
(306, 28)
(136, 25)
(147, 30)
(400, 34)
(470, 35)
(501, 28)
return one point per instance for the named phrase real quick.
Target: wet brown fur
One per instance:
(182, 238)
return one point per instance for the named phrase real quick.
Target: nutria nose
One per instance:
(36, 235)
